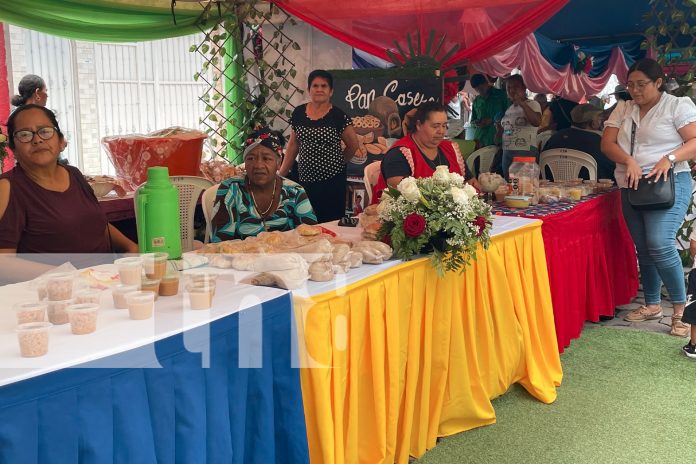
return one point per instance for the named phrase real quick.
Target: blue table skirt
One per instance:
(180, 413)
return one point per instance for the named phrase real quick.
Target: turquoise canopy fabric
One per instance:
(101, 21)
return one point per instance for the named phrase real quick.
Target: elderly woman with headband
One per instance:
(261, 200)
(32, 91)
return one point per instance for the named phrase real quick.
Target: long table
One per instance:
(400, 357)
(393, 357)
(591, 261)
(183, 387)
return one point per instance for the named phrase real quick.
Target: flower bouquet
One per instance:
(442, 215)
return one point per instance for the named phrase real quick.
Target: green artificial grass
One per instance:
(627, 397)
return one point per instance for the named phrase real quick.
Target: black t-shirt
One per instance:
(587, 141)
(320, 156)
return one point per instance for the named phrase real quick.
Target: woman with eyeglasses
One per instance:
(647, 136)
(45, 206)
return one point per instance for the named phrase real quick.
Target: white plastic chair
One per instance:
(190, 189)
(542, 138)
(486, 155)
(370, 177)
(565, 163)
(208, 203)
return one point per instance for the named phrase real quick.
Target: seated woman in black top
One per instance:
(47, 207)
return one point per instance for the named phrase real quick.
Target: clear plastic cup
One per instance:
(203, 277)
(155, 264)
(32, 311)
(119, 293)
(150, 285)
(169, 285)
(88, 295)
(33, 339)
(130, 270)
(39, 285)
(83, 318)
(200, 295)
(140, 304)
(59, 286)
(56, 311)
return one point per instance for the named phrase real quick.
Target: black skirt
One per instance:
(328, 197)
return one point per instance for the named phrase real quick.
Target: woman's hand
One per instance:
(633, 173)
(660, 169)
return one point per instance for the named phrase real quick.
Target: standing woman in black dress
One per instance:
(318, 128)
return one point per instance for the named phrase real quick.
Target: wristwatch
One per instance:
(672, 158)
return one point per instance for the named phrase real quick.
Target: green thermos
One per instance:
(157, 214)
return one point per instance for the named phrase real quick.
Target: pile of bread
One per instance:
(370, 223)
(288, 259)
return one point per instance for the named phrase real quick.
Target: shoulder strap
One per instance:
(633, 135)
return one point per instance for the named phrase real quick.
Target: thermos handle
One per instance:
(141, 201)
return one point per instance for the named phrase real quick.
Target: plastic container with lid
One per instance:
(524, 177)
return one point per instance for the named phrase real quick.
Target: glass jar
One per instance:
(524, 177)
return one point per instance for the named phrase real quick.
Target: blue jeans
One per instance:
(654, 234)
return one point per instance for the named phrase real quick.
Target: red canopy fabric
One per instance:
(474, 29)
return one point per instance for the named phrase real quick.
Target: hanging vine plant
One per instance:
(248, 71)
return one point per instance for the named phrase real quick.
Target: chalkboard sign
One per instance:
(377, 106)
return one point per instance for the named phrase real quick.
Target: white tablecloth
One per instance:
(116, 333)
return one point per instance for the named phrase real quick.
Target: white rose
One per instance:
(470, 191)
(409, 189)
(459, 195)
(441, 175)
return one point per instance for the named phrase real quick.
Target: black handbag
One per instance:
(651, 193)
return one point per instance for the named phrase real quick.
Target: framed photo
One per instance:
(359, 201)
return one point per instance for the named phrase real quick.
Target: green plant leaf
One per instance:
(295, 45)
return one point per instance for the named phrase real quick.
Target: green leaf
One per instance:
(213, 118)
(196, 76)
(295, 45)
(193, 48)
(221, 51)
(651, 30)
(205, 48)
(293, 73)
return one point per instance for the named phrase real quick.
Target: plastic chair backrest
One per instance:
(190, 188)
(486, 155)
(370, 176)
(208, 204)
(542, 138)
(566, 163)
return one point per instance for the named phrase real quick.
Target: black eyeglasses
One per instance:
(26, 136)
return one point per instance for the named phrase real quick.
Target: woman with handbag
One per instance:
(651, 138)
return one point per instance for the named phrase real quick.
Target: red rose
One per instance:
(386, 239)
(481, 222)
(414, 225)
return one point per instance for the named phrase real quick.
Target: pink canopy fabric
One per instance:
(541, 77)
(464, 30)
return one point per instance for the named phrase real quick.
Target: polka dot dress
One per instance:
(320, 156)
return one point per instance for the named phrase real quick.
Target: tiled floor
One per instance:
(662, 325)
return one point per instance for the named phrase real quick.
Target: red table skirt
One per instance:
(591, 261)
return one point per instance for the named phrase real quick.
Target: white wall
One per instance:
(108, 89)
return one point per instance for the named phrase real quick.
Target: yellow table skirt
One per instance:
(398, 359)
